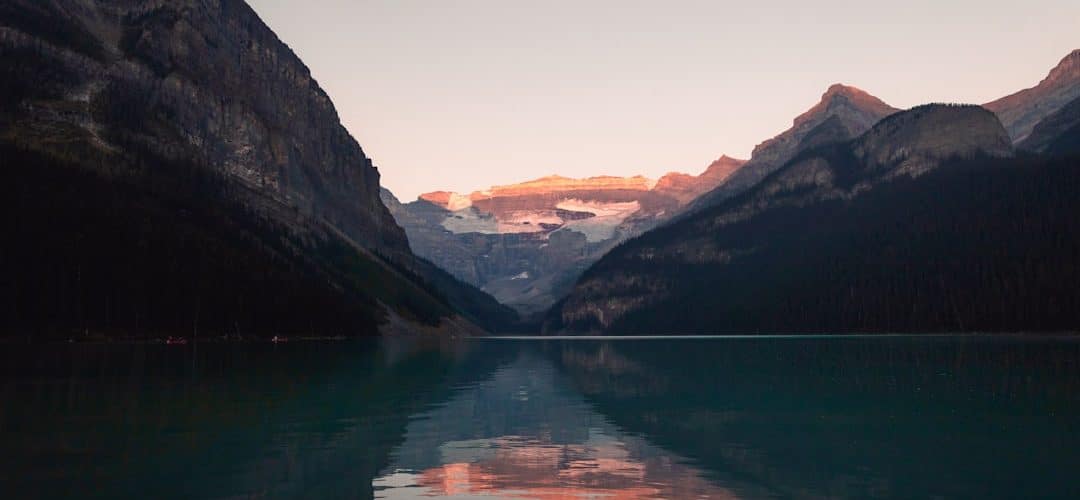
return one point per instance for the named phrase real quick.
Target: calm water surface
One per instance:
(896, 417)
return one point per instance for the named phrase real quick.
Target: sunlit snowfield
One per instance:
(779, 417)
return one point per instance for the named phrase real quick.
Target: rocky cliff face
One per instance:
(1020, 112)
(905, 145)
(685, 188)
(526, 243)
(200, 78)
(1058, 133)
(844, 112)
(196, 107)
(919, 139)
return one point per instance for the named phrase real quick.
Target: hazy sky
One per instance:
(462, 94)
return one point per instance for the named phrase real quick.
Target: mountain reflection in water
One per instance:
(888, 417)
(525, 433)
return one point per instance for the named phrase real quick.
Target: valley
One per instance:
(508, 250)
(211, 189)
(526, 243)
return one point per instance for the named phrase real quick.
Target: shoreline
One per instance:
(185, 341)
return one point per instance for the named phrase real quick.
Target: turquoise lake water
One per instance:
(784, 417)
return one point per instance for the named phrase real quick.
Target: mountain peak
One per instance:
(727, 159)
(849, 111)
(556, 183)
(1019, 112)
(839, 96)
(685, 188)
(542, 186)
(722, 167)
(856, 108)
(841, 89)
(1068, 69)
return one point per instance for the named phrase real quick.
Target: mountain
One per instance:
(173, 168)
(924, 223)
(843, 113)
(685, 188)
(1058, 133)
(1020, 112)
(526, 243)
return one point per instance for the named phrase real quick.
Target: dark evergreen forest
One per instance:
(169, 253)
(109, 237)
(977, 245)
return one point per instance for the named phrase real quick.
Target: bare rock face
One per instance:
(164, 94)
(844, 111)
(1058, 133)
(686, 188)
(559, 184)
(906, 144)
(1020, 112)
(200, 78)
(526, 243)
(918, 139)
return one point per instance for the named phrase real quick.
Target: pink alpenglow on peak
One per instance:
(558, 183)
(524, 243)
(685, 187)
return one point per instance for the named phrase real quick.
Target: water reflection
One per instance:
(525, 433)
(753, 418)
(214, 421)
(850, 418)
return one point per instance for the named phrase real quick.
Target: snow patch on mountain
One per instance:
(458, 202)
(529, 221)
(608, 217)
(471, 220)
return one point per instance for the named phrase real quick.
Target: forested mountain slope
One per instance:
(926, 223)
(843, 113)
(172, 167)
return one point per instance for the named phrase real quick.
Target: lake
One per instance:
(776, 417)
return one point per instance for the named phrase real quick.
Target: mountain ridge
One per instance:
(1022, 110)
(525, 243)
(1058, 133)
(157, 101)
(906, 145)
(852, 110)
(686, 187)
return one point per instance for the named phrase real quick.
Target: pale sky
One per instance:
(459, 95)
